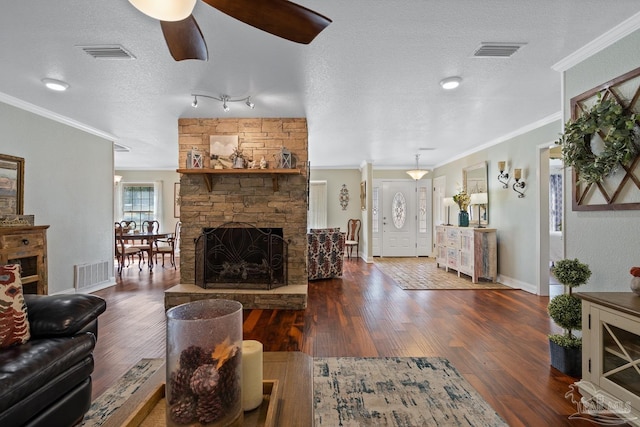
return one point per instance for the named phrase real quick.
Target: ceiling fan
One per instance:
(281, 18)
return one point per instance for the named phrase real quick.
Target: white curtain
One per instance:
(117, 203)
(317, 215)
(157, 201)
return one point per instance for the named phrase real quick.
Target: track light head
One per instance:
(194, 104)
(249, 103)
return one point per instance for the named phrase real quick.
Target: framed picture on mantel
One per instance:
(11, 185)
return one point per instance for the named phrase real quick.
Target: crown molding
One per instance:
(605, 40)
(23, 105)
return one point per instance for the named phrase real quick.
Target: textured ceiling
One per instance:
(368, 84)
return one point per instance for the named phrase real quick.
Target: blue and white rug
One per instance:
(396, 391)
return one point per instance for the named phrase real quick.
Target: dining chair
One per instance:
(148, 226)
(122, 250)
(168, 246)
(353, 236)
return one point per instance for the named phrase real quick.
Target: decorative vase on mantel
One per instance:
(463, 219)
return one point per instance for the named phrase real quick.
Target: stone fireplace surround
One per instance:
(248, 198)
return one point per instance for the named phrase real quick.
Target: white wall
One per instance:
(68, 185)
(336, 217)
(514, 218)
(609, 241)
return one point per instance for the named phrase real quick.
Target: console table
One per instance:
(470, 251)
(293, 370)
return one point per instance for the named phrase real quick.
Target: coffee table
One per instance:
(292, 370)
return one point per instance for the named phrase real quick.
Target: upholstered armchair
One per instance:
(326, 253)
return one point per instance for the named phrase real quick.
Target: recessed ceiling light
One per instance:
(54, 84)
(450, 82)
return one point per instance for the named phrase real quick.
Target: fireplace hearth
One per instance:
(241, 256)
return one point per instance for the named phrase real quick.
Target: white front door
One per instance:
(399, 212)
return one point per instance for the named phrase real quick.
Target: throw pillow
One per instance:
(14, 324)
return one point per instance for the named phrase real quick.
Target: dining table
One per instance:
(149, 237)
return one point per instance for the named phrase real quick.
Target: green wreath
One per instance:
(617, 124)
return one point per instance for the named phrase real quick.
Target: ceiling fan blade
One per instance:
(278, 17)
(184, 39)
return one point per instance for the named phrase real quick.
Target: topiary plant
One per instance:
(566, 309)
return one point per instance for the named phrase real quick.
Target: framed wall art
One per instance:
(11, 185)
(221, 148)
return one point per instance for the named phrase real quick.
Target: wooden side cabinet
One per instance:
(470, 251)
(611, 351)
(27, 246)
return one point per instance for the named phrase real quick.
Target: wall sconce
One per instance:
(479, 199)
(517, 175)
(225, 99)
(448, 202)
(502, 167)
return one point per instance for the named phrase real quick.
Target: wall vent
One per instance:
(88, 275)
(497, 50)
(108, 52)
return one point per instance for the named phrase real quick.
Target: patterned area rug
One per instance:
(398, 392)
(422, 273)
(117, 394)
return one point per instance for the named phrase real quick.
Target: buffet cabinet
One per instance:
(611, 352)
(27, 246)
(469, 251)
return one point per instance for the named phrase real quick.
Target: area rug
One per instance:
(107, 403)
(422, 273)
(396, 391)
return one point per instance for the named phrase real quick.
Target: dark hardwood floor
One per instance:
(497, 339)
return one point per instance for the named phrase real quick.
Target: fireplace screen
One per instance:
(239, 255)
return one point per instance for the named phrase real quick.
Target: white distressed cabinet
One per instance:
(611, 351)
(470, 251)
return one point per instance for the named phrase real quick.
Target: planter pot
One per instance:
(463, 219)
(566, 360)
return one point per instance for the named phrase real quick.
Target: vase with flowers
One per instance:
(462, 199)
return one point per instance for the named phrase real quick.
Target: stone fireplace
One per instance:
(263, 200)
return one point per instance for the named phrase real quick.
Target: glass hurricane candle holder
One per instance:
(204, 364)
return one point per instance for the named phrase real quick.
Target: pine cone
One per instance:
(193, 356)
(209, 409)
(229, 381)
(204, 380)
(184, 411)
(180, 386)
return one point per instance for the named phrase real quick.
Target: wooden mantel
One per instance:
(207, 174)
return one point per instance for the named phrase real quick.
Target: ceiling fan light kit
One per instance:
(165, 10)
(451, 82)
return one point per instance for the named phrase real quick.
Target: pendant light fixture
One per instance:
(417, 173)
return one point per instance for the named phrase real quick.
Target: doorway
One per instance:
(402, 218)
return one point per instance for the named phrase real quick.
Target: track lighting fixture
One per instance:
(225, 99)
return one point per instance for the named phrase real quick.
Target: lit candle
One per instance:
(501, 166)
(517, 174)
(251, 374)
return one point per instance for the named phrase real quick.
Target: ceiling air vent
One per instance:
(120, 148)
(108, 52)
(497, 50)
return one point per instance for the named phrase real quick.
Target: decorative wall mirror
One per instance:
(475, 183)
(11, 185)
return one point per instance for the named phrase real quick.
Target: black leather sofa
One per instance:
(47, 381)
